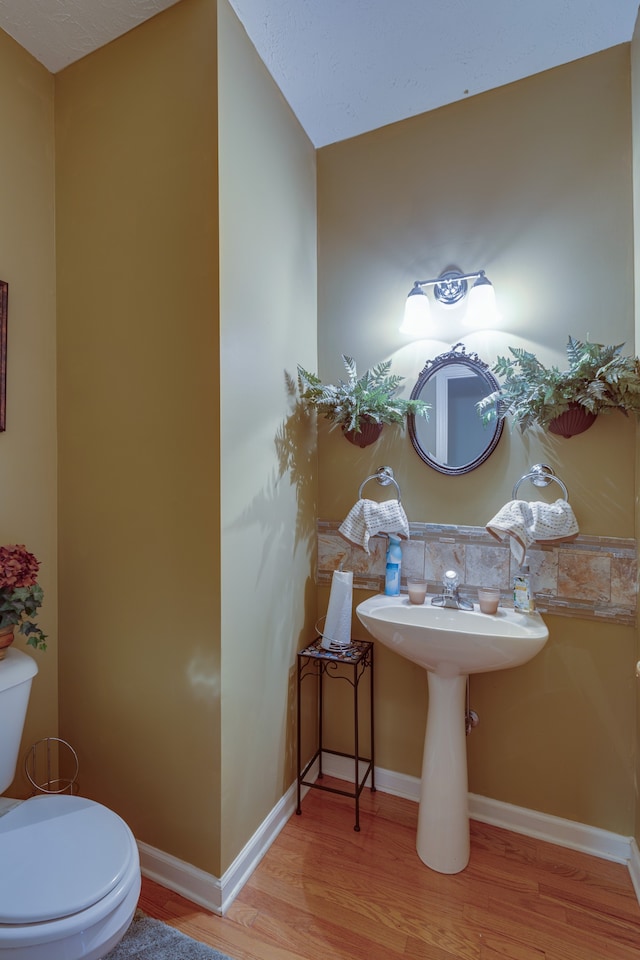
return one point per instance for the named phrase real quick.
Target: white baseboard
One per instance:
(217, 894)
(634, 868)
(565, 833)
(247, 860)
(181, 877)
(213, 893)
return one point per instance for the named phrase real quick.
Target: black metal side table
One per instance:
(350, 664)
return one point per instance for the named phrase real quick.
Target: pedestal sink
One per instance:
(450, 644)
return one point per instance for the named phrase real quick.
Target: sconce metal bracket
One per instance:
(450, 287)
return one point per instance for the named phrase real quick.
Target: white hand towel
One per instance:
(368, 517)
(526, 523)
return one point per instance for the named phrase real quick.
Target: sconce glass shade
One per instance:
(417, 313)
(482, 310)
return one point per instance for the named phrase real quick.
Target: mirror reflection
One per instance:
(454, 440)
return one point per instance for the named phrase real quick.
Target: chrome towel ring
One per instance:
(384, 476)
(540, 475)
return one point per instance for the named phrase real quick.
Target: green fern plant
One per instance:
(370, 398)
(599, 378)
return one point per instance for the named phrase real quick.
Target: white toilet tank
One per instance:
(17, 670)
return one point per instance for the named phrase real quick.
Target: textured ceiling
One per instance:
(58, 32)
(348, 66)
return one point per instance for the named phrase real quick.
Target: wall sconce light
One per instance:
(449, 288)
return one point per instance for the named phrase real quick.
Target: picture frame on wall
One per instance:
(4, 299)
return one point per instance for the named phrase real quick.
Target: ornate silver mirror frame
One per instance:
(454, 440)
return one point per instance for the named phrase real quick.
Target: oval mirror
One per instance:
(454, 439)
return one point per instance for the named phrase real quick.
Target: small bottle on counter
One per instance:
(522, 594)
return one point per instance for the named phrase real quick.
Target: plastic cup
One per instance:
(488, 598)
(417, 590)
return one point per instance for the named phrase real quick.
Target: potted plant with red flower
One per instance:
(20, 597)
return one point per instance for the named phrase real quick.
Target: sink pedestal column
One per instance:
(443, 820)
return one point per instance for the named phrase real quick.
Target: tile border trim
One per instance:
(591, 578)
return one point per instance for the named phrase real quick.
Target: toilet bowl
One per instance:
(69, 867)
(69, 879)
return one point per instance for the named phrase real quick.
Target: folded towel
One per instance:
(368, 517)
(526, 523)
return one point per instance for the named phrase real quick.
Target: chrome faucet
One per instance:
(450, 596)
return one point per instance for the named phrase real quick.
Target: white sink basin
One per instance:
(450, 644)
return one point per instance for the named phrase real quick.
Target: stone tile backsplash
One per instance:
(591, 577)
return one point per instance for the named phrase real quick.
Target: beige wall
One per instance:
(27, 263)
(268, 459)
(136, 148)
(152, 659)
(635, 126)
(182, 687)
(139, 388)
(531, 182)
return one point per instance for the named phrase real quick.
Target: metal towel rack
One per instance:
(540, 475)
(384, 476)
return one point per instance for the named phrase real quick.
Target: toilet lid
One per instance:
(58, 856)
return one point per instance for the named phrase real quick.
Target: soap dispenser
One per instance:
(522, 594)
(392, 572)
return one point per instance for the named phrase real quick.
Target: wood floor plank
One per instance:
(564, 859)
(593, 897)
(494, 948)
(519, 924)
(419, 950)
(281, 923)
(327, 912)
(326, 892)
(367, 905)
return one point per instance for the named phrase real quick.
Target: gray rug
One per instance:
(148, 939)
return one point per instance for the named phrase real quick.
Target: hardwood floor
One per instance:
(325, 892)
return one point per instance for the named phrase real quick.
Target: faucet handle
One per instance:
(450, 579)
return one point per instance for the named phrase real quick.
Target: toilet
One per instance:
(69, 867)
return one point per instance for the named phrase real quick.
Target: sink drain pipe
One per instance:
(471, 718)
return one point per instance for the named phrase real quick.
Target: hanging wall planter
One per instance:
(573, 421)
(599, 379)
(361, 405)
(368, 433)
